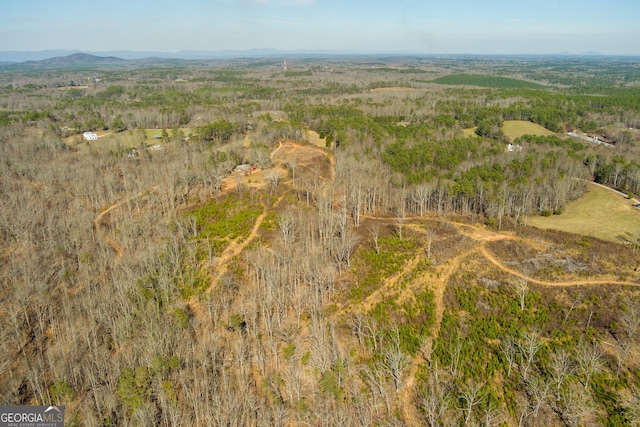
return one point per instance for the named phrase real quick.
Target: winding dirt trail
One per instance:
(493, 260)
(390, 285)
(407, 396)
(221, 263)
(236, 246)
(98, 222)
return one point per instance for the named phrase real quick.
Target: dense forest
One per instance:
(342, 243)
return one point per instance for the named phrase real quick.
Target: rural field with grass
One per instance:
(517, 128)
(599, 213)
(513, 129)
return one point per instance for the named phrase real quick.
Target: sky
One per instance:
(609, 27)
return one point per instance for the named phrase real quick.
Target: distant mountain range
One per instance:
(9, 60)
(24, 56)
(64, 59)
(60, 59)
(85, 60)
(76, 59)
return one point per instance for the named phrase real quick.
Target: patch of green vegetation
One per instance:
(190, 281)
(552, 140)
(135, 385)
(304, 360)
(61, 392)
(288, 351)
(605, 388)
(230, 218)
(148, 288)
(182, 318)
(372, 268)
(427, 160)
(417, 319)
(270, 221)
(236, 322)
(413, 319)
(330, 386)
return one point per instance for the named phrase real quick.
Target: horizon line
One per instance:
(17, 56)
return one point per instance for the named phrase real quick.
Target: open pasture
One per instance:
(513, 129)
(516, 128)
(600, 213)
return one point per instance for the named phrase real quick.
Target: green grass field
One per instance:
(515, 129)
(600, 213)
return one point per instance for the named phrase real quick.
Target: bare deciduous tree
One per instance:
(539, 390)
(434, 401)
(272, 177)
(455, 355)
(521, 287)
(589, 359)
(375, 379)
(395, 360)
(420, 196)
(288, 228)
(472, 395)
(508, 347)
(357, 325)
(575, 406)
(529, 346)
(561, 367)
(431, 234)
(375, 234)
(372, 331)
(491, 416)
(574, 303)
(292, 165)
(630, 322)
(634, 407)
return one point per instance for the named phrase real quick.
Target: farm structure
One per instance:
(89, 136)
(511, 148)
(596, 139)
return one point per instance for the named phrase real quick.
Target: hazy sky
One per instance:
(424, 26)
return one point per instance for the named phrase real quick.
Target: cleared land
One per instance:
(515, 129)
(314, 139)
(600, 213)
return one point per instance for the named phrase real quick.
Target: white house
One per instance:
(89, 136)
(511, 148)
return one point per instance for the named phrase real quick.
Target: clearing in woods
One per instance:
(515, 129)
(314, 139)
(600, 213)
